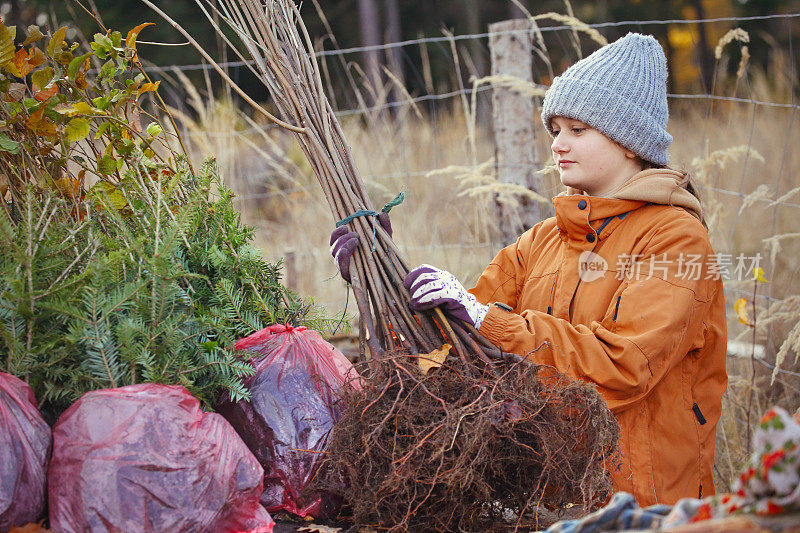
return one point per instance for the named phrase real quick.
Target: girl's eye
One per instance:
(578, 130)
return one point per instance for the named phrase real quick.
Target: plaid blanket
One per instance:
(768, 485)
(620, 513)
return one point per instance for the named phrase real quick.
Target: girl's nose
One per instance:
(558, 145)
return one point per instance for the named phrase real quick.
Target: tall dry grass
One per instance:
(742, 155)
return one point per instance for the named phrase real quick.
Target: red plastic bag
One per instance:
(146, 458)
(24, 451)
(291, 412)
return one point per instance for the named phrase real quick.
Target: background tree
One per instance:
(369, 22)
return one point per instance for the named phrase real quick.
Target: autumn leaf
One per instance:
(104, 190)
(16, 92)
(34, 34)
(101, 129)
(40, 125)
(77, 64)
(107, 164)
(25, 61)
(130, 40)
(78, 108)
(741, 311)
(154, 129)
(46, 93)
(78, 129)
(6, 46)
(20, 65)
(80, 81)
(36, 57)
(42, 77)
(147, 87)
(56, 40)
(758, 275)
(68, 186)
(435, 359)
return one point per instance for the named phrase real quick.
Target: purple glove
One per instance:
(343, 244)
(430, 287)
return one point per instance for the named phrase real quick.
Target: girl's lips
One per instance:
(565, 163)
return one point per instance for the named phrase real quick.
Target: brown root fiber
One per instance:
(453, 448)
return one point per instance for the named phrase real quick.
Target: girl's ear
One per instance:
(630, 155)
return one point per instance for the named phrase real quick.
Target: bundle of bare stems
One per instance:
(454, 426)
(276, 46)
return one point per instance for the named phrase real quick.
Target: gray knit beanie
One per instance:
(620, 90)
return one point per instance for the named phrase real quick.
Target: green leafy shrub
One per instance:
(121, 264)
(156, 293)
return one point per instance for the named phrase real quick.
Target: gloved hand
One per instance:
(343, 244)
(430, 287)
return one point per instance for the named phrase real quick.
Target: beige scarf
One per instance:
(658, 186)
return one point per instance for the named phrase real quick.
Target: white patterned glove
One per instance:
(430, 287)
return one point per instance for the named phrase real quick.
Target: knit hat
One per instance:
(621, 91)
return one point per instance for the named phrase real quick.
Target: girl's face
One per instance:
(588, 160)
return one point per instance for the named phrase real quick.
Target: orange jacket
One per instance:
(615, 292)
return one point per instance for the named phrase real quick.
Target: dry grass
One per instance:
(742, 155)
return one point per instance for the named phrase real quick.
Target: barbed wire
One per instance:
(780, 370)
(472, 36)
(467, 92)
(433, 173)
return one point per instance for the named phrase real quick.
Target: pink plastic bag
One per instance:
(291, 412)
(24, 451)
(146, 458)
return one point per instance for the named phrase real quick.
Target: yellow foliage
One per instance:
(435, 359)
(741, 311)
(130, 39)
(6, 46)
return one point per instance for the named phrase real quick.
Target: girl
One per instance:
(620, 288)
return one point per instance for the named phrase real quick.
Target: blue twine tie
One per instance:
(374, 214)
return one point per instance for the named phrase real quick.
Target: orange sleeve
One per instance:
(625, 355)
(503, 279)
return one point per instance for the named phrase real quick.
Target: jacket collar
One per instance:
(658, 186)
(577, 215)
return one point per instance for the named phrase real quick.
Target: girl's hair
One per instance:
(688, 183)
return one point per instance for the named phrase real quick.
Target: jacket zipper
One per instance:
(698, 413)
(572, 300)
(552, 290)
(596, 244)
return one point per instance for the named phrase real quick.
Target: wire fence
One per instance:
(757, 193)
(474, 36)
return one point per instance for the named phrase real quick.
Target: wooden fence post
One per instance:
(515, 126)
(290, 265)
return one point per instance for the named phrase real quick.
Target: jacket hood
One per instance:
(657, 186)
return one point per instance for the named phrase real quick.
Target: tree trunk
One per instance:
(473, 17)
(706, 60)
(394, 34)
(369, 19)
